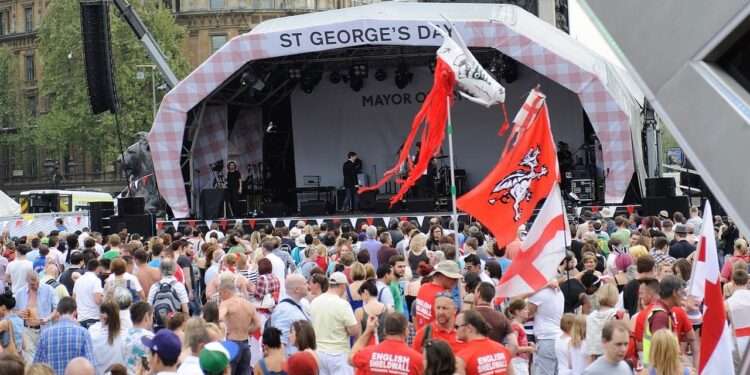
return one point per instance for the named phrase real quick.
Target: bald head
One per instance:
(80, 366)
(296, 286)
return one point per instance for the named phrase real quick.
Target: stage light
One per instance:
(271, 128)
(356, 83)
(381, 75)
(334, 77)
(294, 73)
(359, 70)
(310, 78)
(403, 76)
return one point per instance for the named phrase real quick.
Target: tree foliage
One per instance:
(70, 124)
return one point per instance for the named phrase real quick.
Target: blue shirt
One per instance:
(284, 314)
(18, 328)
(372, 247)
(38, 264)
(46, 300)
(32, 255)
(60, 343)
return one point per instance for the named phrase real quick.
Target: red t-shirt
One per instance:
(681, 325)
(485, 357)
(438, 334)
(425, 304)
(388, 357)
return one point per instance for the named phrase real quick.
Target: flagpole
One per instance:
(449, 130)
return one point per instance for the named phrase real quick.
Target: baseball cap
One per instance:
(337, 278)
(165, 344)
(680, 228)
(664, 214)
(215, 356)
(448, 268)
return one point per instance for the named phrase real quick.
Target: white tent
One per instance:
(8, 207)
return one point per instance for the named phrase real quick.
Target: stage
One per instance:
(286, 102)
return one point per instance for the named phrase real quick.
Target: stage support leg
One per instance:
(454, 215)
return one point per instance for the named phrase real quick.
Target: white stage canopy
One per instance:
(507, 28)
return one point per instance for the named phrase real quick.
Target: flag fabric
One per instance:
(523, 176)
(541, 252)
(716, 336)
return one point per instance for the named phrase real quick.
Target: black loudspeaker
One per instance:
(660, 187)
(212, 203)
(652, 205)
(131, 206)
(97, 212)
(98, 55)
(367, 201)
(313, 208)
(274, 209)
(143, 224)
(421, 204)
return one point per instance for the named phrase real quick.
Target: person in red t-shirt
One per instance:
(445, 276)
(392, 355)
(443, 328)
(481, 355)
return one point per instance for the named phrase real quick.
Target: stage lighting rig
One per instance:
(310, 78)
(334, 77)
(381, 75)
(294, 73)
(359, 70)
(403, 76)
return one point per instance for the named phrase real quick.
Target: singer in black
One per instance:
(233, 188)
(351, 168)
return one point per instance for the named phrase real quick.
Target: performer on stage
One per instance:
(351, 168)
(233, 189)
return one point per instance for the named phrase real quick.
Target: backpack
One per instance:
(53, 283)
(165, 303)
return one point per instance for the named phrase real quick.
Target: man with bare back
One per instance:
(239, 318)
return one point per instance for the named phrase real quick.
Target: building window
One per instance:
(32, 105)
(29, 17)
(217, 4)
(30, 76)
(217, 41)
(2, 23)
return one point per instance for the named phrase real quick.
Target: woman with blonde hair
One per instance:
(570, 346)
(358, 274)
(417, 251)
(607, 297)
(665, 355)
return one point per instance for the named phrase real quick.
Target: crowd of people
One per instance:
(333, 299)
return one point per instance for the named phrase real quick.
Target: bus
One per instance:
(41, 201)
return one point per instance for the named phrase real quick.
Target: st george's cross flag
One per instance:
(541, 252)
(716, 336)
(523, 176)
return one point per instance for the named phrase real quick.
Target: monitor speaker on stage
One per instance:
(143, 224)
(212, 203)
(421, 204)
(313, 208)
(367, 201)
(98, 55)
(274, 209)
(660, 187)
(652, 205)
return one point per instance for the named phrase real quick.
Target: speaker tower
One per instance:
(98, 55)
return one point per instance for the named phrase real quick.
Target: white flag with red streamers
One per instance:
(541, 252)
(716, 336)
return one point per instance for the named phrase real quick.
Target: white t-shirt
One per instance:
(17, 270)
(330, 316)
(550, 304)
(279, 270)
(570, 360)
(134, 283)
(105, 354)
(57, 256)
(84, 290)
(179, 288)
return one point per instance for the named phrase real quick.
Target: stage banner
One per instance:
(246, 142)
(210, 147)
(27, 224)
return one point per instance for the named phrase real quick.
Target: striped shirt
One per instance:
(62, 342)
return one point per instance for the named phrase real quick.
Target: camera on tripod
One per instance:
(217, 166)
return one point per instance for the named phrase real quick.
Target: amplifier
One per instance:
(584, 188)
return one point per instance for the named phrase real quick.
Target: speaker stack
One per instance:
(131, 215)
(660, 195)
(98, 55)
(212, 203)
(99, 214)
